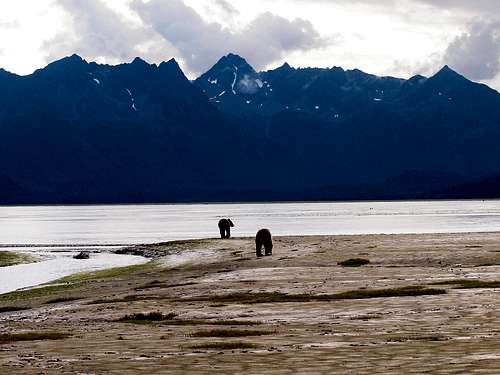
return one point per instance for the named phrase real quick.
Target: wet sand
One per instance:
(456, 332)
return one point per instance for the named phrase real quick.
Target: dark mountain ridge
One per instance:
(83, 132)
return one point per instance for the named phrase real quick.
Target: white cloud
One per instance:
(476, 53)
(201, 43)
(100, 33)
(400, 37)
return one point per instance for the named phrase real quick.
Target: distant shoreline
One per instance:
(244, 202)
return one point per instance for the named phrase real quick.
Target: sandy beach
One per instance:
(423, 304)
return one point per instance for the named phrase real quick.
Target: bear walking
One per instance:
(263, 238)
(225, 228)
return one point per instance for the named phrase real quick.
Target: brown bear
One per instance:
(225, 228)
(263, 238)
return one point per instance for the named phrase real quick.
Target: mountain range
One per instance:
(80, 132)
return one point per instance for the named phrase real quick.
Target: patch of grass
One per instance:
(276, 297)
(160, 284)
(32, 336)
(36, 292)
(108, 273)
(11, 258)
(130, 298)
(169, 319)
(13, 308)
(469, 283)
(354, 262)
(224, 345)
(407, 291)
(365, 317)
(417, 338)
(230, 333)
(155, 316)
(177, 322)
(62, 299)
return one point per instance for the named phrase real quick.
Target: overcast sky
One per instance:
(386, 37)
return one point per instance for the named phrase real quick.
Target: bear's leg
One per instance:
(228, 232)
(258, 249)
(269, 248)
(222, 233)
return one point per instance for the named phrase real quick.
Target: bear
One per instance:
(225, 228)
(263, 238)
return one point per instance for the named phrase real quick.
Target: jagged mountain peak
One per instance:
(139, 61)
(172, 67)
(232, 62)
(447, 73)
(170, 64)
(73, 60)
(285, 66)
(67, 66)
(232, 58)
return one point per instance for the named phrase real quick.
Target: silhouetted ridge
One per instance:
(447, 74)
(171, 66)
(137, 132)
(139, 61)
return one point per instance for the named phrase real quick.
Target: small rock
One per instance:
(82, 255)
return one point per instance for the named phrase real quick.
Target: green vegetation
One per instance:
(224, 345)
(74, 281)
(365, 317)
(32, 336)
(417, 338)
(159, 284)
(469, 283)
(35, 292)
(62, 299)
(108, 273)
(11, 258)
(230, 333)
(147, 317)
(170, 319)
(130, 298)
(354, 262)
(276, 297)
(190, 322)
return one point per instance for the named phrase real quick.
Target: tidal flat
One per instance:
(423, 303)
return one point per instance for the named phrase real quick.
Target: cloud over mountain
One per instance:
(476, 53)
(171, 28)
(264, 40)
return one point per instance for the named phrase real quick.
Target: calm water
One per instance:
(67, 229)
(132, 224)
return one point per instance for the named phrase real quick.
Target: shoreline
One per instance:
(246, 202)
(48, 266)
(424, 302)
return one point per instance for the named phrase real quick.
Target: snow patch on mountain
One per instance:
(235, 78)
